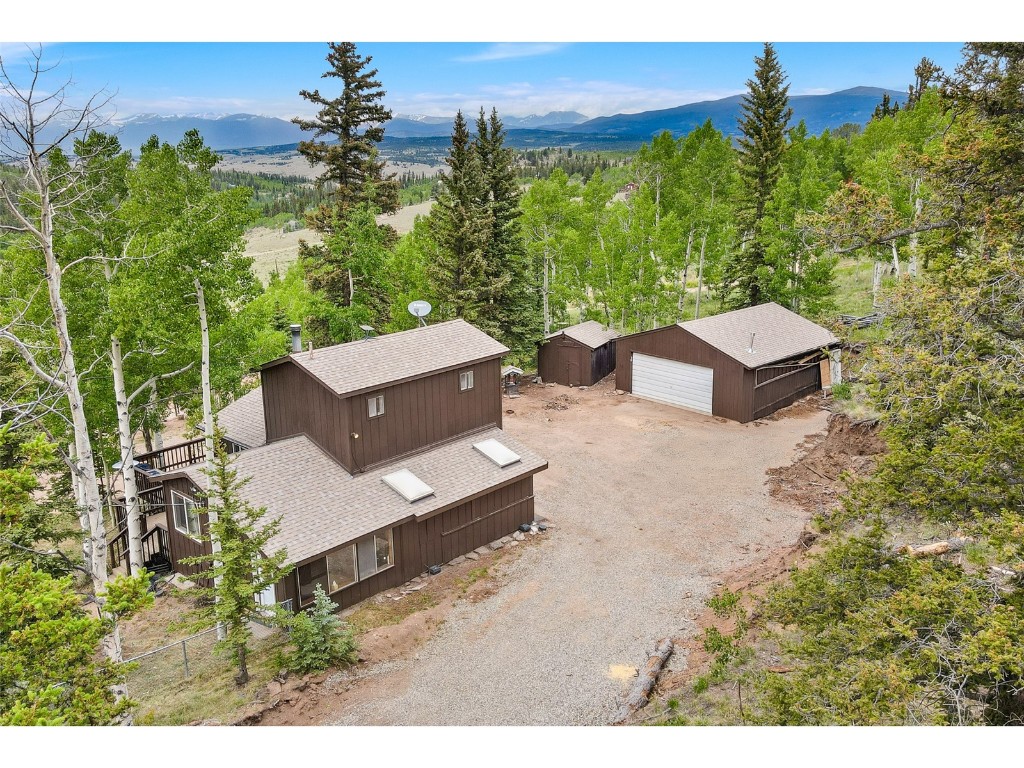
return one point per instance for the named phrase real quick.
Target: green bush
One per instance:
(842, 390)
(320, 638)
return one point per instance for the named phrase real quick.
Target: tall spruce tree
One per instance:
(461, 225)
(765, 115)
(359, 190)
(355, 120)
(513, 311)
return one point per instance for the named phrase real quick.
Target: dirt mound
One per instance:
(561, 403)
(815, 480)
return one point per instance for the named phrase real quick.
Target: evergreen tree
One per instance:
(360, 190)
(242, 569)
(355, 120)
(461, 225)
(765, 115)
(887, 108)
(514, 308)
(51, 670)
(320, 638)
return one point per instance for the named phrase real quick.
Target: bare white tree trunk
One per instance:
(133, 515)
(686, 272)
(700, 274)
(895, 259)
(154, 404)
(876, 284)
(918, 205)
(208, 428)
(544, 292)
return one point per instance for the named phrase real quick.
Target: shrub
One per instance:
(320, 638)
(842, 390)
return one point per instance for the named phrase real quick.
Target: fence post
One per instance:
(184, 655)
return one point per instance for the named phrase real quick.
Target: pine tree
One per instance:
(514, 312)
(887, 108)
(360, 190)
(320, 638)
(763, 122)
(461, 225)
(241, 570)
(355, 119)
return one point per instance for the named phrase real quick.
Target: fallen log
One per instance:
(938, 548)
(640, 693)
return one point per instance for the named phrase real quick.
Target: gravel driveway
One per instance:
(650, 503)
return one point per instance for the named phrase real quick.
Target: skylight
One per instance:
(408, 485)
(497, 452)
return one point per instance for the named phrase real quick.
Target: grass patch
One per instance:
(472, 578)
(158, 683)
(384, 611)
(166, 697)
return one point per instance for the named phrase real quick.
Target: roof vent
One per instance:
(751, 350)
(296, 338)
(497, 452)
(408, 485)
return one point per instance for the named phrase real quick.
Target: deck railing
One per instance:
(175, 456)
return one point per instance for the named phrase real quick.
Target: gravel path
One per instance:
(649, 503)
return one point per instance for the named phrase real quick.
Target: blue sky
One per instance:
(438, 78)
(622, 57)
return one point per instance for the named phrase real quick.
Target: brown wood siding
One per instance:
(179, 545)
(565, 361)
(785, 389)
(435, 541)
(295, 403)
(462, 529)
(425, 411)
(602, 362)
(732, 390)
(407, 565)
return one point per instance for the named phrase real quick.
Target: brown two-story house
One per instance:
(382, 457)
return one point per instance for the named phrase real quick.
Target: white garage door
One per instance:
(667, 381)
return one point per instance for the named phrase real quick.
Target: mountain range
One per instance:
(242, 131)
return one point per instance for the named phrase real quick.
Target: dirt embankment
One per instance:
(814, 482)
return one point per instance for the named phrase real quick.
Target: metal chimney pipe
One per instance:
(751, 342)
(296, 338)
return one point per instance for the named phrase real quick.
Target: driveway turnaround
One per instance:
(650, 505)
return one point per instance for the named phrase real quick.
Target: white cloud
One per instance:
(502, 51)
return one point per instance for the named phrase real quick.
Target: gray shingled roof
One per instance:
(242, 420)
(779, 334)
(365, 364)
(591, 333)
(322, 506)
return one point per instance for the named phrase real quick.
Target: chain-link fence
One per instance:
(171, 664)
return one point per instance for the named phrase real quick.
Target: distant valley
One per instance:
(416, 135)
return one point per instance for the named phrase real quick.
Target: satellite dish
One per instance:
(420, 309)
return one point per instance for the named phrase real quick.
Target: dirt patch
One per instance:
(561, 403)
(815, 481)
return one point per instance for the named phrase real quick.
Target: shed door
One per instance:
(668, 381)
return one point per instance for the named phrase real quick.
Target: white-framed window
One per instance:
(186, 514)
(375, 405)
(345, 566)
(465, 381)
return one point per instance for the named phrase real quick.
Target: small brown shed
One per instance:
(580, 355)
(741, 365)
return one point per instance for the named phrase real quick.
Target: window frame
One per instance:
(375, 406)
(469, 374)
(385, 534)
(187, 504)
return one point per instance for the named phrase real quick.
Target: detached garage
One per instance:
(580, 355)
(740, 365)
